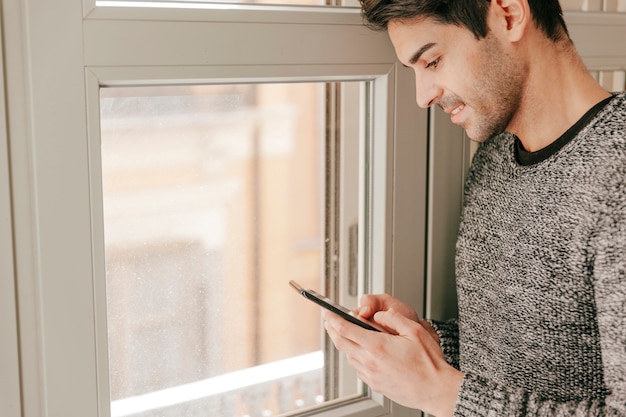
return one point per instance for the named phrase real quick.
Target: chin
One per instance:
(483, 133)
(477, 136)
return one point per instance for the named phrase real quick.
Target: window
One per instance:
(226, 168)
(215, 196)
(219, 184)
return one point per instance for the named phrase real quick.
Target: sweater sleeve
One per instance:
(448, 332)
(480, 397)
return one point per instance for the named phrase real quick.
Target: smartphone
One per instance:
(330, 305)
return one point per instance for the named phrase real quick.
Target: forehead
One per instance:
(409, 36)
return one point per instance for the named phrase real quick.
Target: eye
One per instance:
(433, 64)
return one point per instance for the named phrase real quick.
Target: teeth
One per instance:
(458, 109)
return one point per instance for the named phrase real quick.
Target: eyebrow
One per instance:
(417, 55)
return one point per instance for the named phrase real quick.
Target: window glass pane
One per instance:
(214, 198)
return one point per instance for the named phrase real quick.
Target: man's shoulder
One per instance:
(610, 123)
(615, 110)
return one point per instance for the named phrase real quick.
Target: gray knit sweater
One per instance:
(541, 277)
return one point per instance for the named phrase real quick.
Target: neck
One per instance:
(558, 91)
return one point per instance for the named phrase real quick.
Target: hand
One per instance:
(373, 303)
(370, 304)
(406, 366)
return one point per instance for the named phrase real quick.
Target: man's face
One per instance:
(476, 81)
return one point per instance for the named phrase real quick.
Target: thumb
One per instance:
(393, 322)
(364, 311)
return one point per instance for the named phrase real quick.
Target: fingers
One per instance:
(370, 304)
(394, 322)
(398, 324)
(408, 367)
(352, 340)
(343, 333)
(341, 326)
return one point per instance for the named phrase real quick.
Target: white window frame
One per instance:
(9, 356)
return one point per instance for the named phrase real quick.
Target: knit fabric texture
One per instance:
(541, 278)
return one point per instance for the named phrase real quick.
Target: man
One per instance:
(541, 250)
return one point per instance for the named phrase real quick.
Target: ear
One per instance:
(510, 17)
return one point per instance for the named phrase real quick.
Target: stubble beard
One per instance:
(498, 90)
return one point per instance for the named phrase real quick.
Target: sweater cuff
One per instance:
(480, 397)
(448, 332)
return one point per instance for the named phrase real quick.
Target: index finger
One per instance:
(359, 321)
(370, 304)
(340, 328)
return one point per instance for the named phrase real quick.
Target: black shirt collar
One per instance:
(526, 158)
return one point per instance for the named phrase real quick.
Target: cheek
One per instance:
(466, 76)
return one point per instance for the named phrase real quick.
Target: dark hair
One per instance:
(471, 14)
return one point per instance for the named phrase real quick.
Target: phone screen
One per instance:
(330, 305)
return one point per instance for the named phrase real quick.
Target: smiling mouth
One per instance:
(457, 109)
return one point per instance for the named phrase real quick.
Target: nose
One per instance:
(427, 91)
